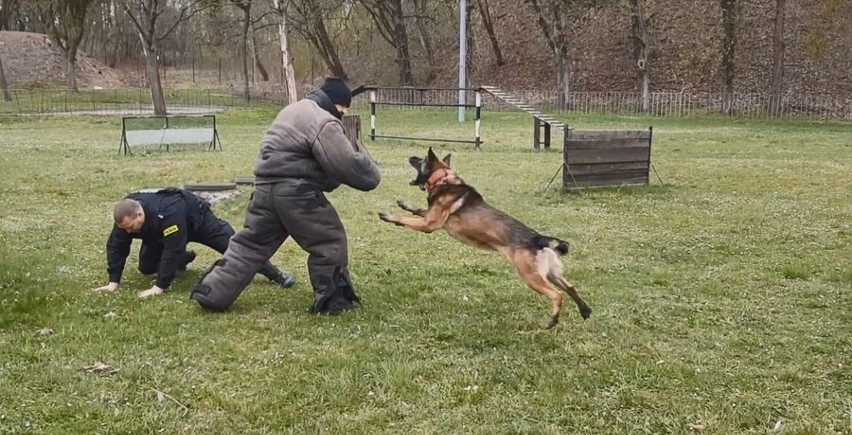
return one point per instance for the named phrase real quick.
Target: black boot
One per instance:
(338, 299)
(188, 257)
(284, 280)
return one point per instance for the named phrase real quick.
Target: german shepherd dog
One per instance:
(460, 210)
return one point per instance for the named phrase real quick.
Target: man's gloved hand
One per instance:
(107, 288)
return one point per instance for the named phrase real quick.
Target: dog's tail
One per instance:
(558, 245)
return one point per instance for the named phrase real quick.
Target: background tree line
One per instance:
(769, 46)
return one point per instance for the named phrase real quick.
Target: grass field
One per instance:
(721, 299)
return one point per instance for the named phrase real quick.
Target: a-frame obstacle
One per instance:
(542, 123)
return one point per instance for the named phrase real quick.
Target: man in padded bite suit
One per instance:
(304, 154)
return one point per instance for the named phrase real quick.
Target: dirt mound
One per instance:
(33, 60)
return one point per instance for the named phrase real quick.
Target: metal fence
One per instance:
(122, 102)
(668, 104)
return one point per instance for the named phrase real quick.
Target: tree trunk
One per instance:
(403, 58)
(563, 79)
(775, 97)
(152, 71)
(264, 75)
(425, 40)
(327, 50)
(64, 23)
(244, 50)
(472, 48)
(554, 30)
(6, 14)
(641, 24)
(729, 23)
(488, 23)
(389, 18)
(284, 40)
(3, 86)
(71, 69)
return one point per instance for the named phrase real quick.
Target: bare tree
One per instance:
(8, 8)
(425, 40)
(3, 86)
(729, 44)
(110, 35)
(642, 48)
(145, 15)
(65, 22)
(264, 75)
(776, 87)
(390, 22)
(245, 7)
(284, 41)
(308, 18)
(488, 22)
(555, 19)
(472, 45)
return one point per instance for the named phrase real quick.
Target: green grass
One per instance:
(721, 299)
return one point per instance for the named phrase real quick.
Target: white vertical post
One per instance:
(372, 114)
(476, 119)
(462, 56)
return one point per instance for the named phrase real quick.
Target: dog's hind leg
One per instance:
(550, 267)
(525, 262)
(567, 287)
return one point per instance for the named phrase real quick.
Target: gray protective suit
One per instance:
(304, 154)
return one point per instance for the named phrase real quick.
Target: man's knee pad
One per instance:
(148, 269)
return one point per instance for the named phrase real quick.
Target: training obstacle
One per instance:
(419, 97)
(167, 130)
(606, 158)
(542, 123)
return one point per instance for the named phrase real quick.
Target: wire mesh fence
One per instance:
(667, 104)
(121, 102)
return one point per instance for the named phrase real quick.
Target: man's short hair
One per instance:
(125, 208)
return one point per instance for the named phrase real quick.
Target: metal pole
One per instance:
(462, 56)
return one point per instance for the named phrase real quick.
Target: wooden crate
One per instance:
(352, 128)
(606, 158)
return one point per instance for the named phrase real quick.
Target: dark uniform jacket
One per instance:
(307, 142)
(169, 215)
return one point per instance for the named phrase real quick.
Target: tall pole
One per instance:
(462, 57)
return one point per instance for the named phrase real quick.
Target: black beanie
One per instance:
(337, 90)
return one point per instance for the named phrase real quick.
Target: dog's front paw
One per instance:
(389, 218)
(403, 205)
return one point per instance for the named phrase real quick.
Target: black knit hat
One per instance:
(337, 90)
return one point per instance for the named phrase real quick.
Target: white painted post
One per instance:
(462, 56)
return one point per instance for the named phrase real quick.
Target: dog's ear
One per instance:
(417, 162)
(447, 159)
(430, 156)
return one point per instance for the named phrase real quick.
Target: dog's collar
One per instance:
(437, 177)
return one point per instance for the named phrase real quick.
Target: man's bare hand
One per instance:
(109, 288)
(153, 291)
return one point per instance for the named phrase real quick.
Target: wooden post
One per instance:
(536, 133)
(546, 135)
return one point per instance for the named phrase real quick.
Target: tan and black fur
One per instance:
(460, 210)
